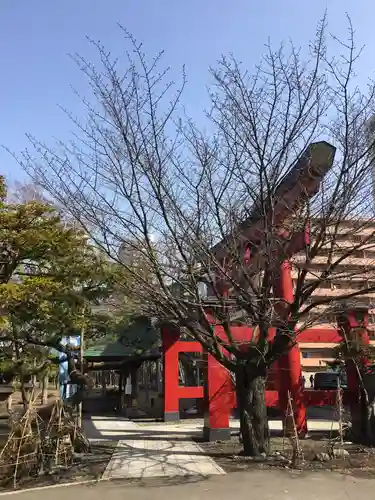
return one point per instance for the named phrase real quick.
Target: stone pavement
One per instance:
(257, 484)
(143, 452)
(139, 459)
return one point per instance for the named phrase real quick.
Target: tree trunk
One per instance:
(104, 384)
(251, 404)
(363, 411)
(9, 403)
(121, 390)
(134, 372)
(25, 398)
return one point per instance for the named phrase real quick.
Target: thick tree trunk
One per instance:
(363, 411)
(251, 404)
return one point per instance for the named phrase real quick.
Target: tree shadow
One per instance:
(168, 460)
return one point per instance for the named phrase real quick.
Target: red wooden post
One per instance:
(354, 321)
(289, 365)
(218, 400)
(218, 387)
(170, 373)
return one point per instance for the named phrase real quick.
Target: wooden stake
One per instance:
(297, 451)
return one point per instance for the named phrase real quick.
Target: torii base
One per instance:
(171, 416)
(210, 434)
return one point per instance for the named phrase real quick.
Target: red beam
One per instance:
(320, 335)
(310, 397)
(311, 335)
(244, 334)
(190, 392)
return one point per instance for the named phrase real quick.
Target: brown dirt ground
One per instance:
(84, 468)
(360, 463)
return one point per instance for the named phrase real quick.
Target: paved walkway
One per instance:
(150, 452)
(141, 459)
(114, 428)
(259, 485)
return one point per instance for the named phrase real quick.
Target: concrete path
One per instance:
(143, 452)
(196, 429)
(140, 459)
(108, 428)
(259, 485)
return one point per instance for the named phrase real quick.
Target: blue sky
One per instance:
(36, 37)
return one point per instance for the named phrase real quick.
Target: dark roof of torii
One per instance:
(302, 182)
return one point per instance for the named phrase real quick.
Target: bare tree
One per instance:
(212, 215)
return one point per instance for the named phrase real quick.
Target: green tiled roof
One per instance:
(115, 350)
(138, 339)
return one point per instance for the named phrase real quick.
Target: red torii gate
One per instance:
(302, 182)
(297, 187)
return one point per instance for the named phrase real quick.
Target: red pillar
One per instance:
(289, 365)
(354, 321)
(170, 373)
(218, 398)
(218, 387)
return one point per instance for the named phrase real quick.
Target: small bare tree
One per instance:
(213, 215)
